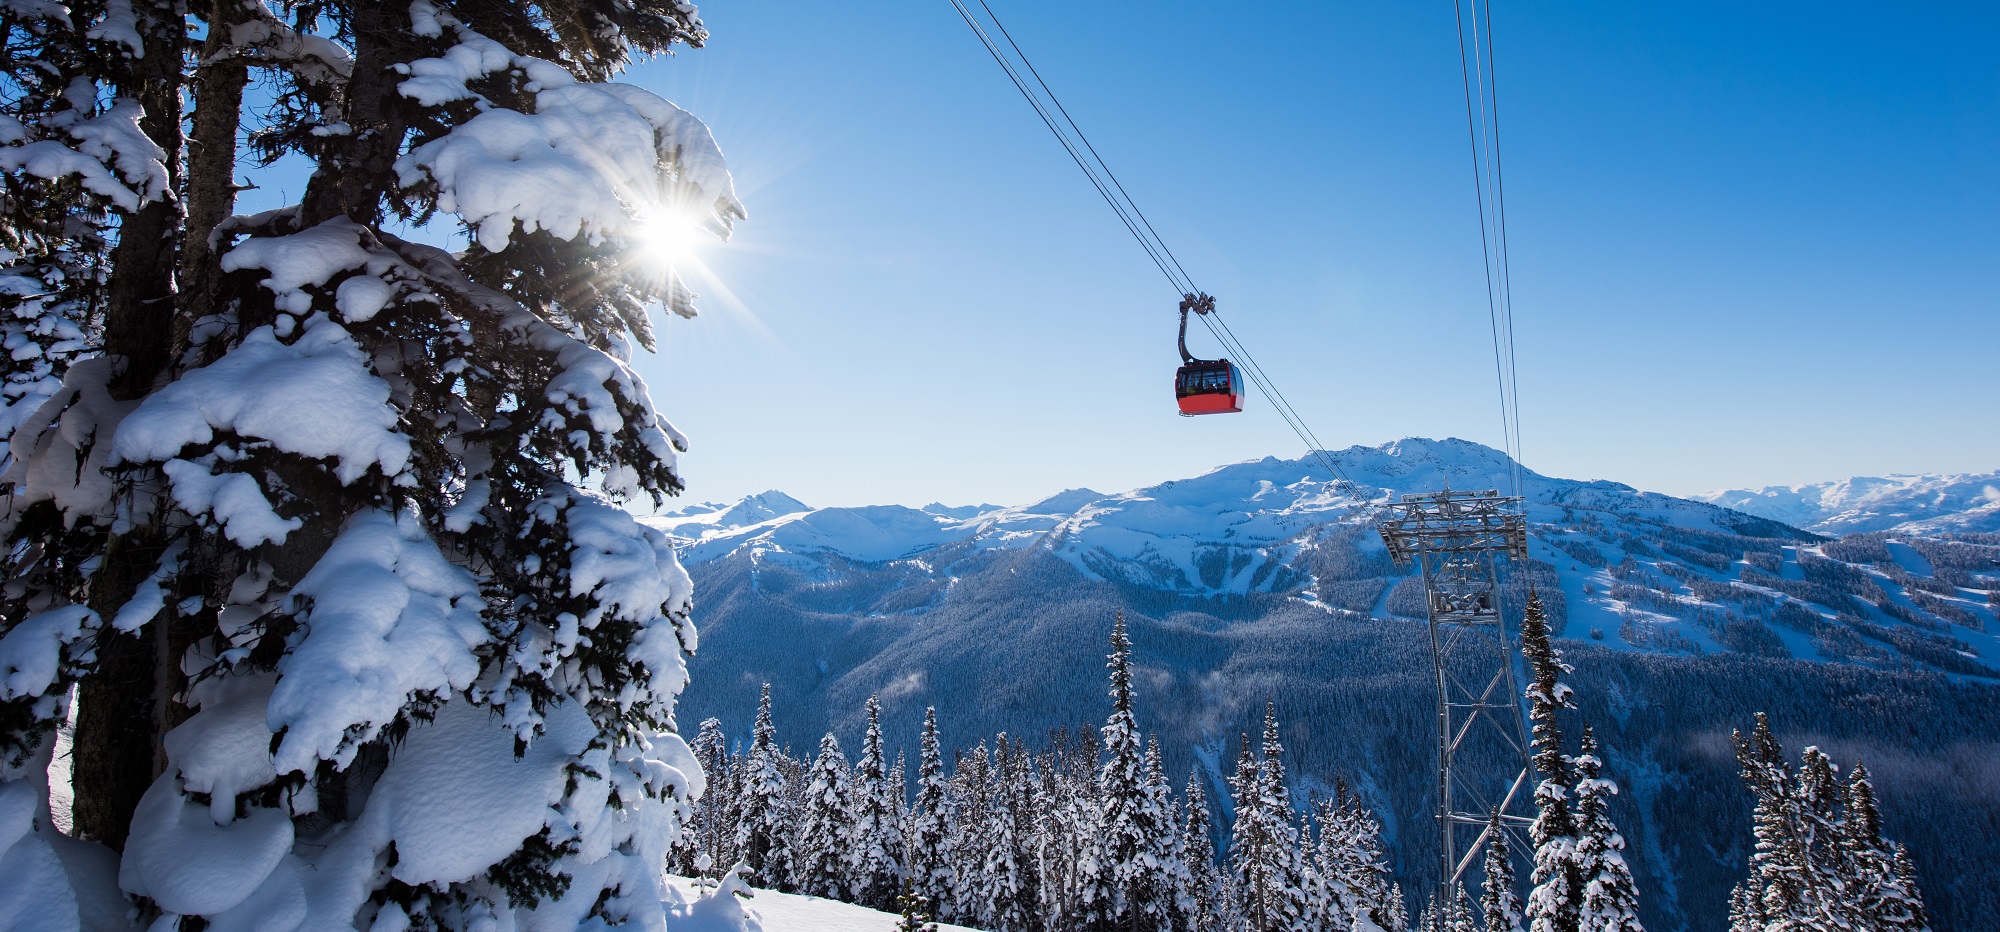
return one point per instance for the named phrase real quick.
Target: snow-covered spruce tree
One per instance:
(1069, 815)
(1909, 912)
(1772, 892)
(1459, 914)
(1819, 855)
(899, 777)
(823, 844)
(1746, 913)
(1264, 851)
(1167, 888)
(710, 834)
(969, 795)
(1454, 916)
(1499, 904)
(1555, 903)
(1399, 920)
(68, 161)
(1206, 908)
(1829, 882)
(1115, 886)
(1882, 893)
(1610, 895)
(1352, 864)
(929, 828)
(352, 615)
(878, 831)
(75, 163)
(1245, 833)
(1012, 878)
(763, 825)
(912, 911)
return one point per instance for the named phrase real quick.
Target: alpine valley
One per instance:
(1265, 580)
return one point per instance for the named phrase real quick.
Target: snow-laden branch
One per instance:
(591, 160)
(108, 153)
(269, 41)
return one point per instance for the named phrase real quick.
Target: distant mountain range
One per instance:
(1921, 504)
(1265, 580)
(1167, 536)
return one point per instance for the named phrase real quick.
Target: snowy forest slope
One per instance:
(1257, 580)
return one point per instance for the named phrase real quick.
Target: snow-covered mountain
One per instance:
(1628, 568)
(1167, 536)
(1920, 504)
(1264, 580)
(694, 521)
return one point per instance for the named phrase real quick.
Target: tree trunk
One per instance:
(114, 755)
(211, 179)
(117, 746)
(352, 180)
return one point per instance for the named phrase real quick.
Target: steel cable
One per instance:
(1105, 181)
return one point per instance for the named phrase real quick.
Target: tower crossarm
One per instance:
(1451, 523)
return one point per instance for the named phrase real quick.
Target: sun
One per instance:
(669, 238)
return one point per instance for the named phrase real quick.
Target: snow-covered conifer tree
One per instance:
(1115, 870)
(1458, 915)
(1823, 871)
(899, 778)
(1908, 910)
(970, 801)
(1775, 893)
(929, 832)
(822, 859)
(1166, 886)
(1399, 918)
(763, 828)
(1555, 902)
(696, 844)
(1003, 892)
(1453, 916)
(878, 831)
(1264, 849)
(1819, 860)
(1499, 904)
(1746, 911)
(913, 911)
(1206, 907)
(1066, 811)
(1881, 894)
(1014, 871)
(351, 504)
(1352, 865)
(1610, 895)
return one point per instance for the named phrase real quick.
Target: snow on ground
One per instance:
(788, 912)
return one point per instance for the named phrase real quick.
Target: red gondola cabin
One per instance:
(1205, 387)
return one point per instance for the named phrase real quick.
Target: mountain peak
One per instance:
(1064, 502)
(708, 517)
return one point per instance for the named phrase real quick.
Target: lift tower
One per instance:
(1482, 742)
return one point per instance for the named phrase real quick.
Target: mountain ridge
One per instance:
(1917, 503)
(1262, 581)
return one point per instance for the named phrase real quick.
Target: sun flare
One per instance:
(670, 238)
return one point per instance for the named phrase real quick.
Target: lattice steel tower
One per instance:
(1456, 538)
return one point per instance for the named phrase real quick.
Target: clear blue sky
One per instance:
(1753, 243)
